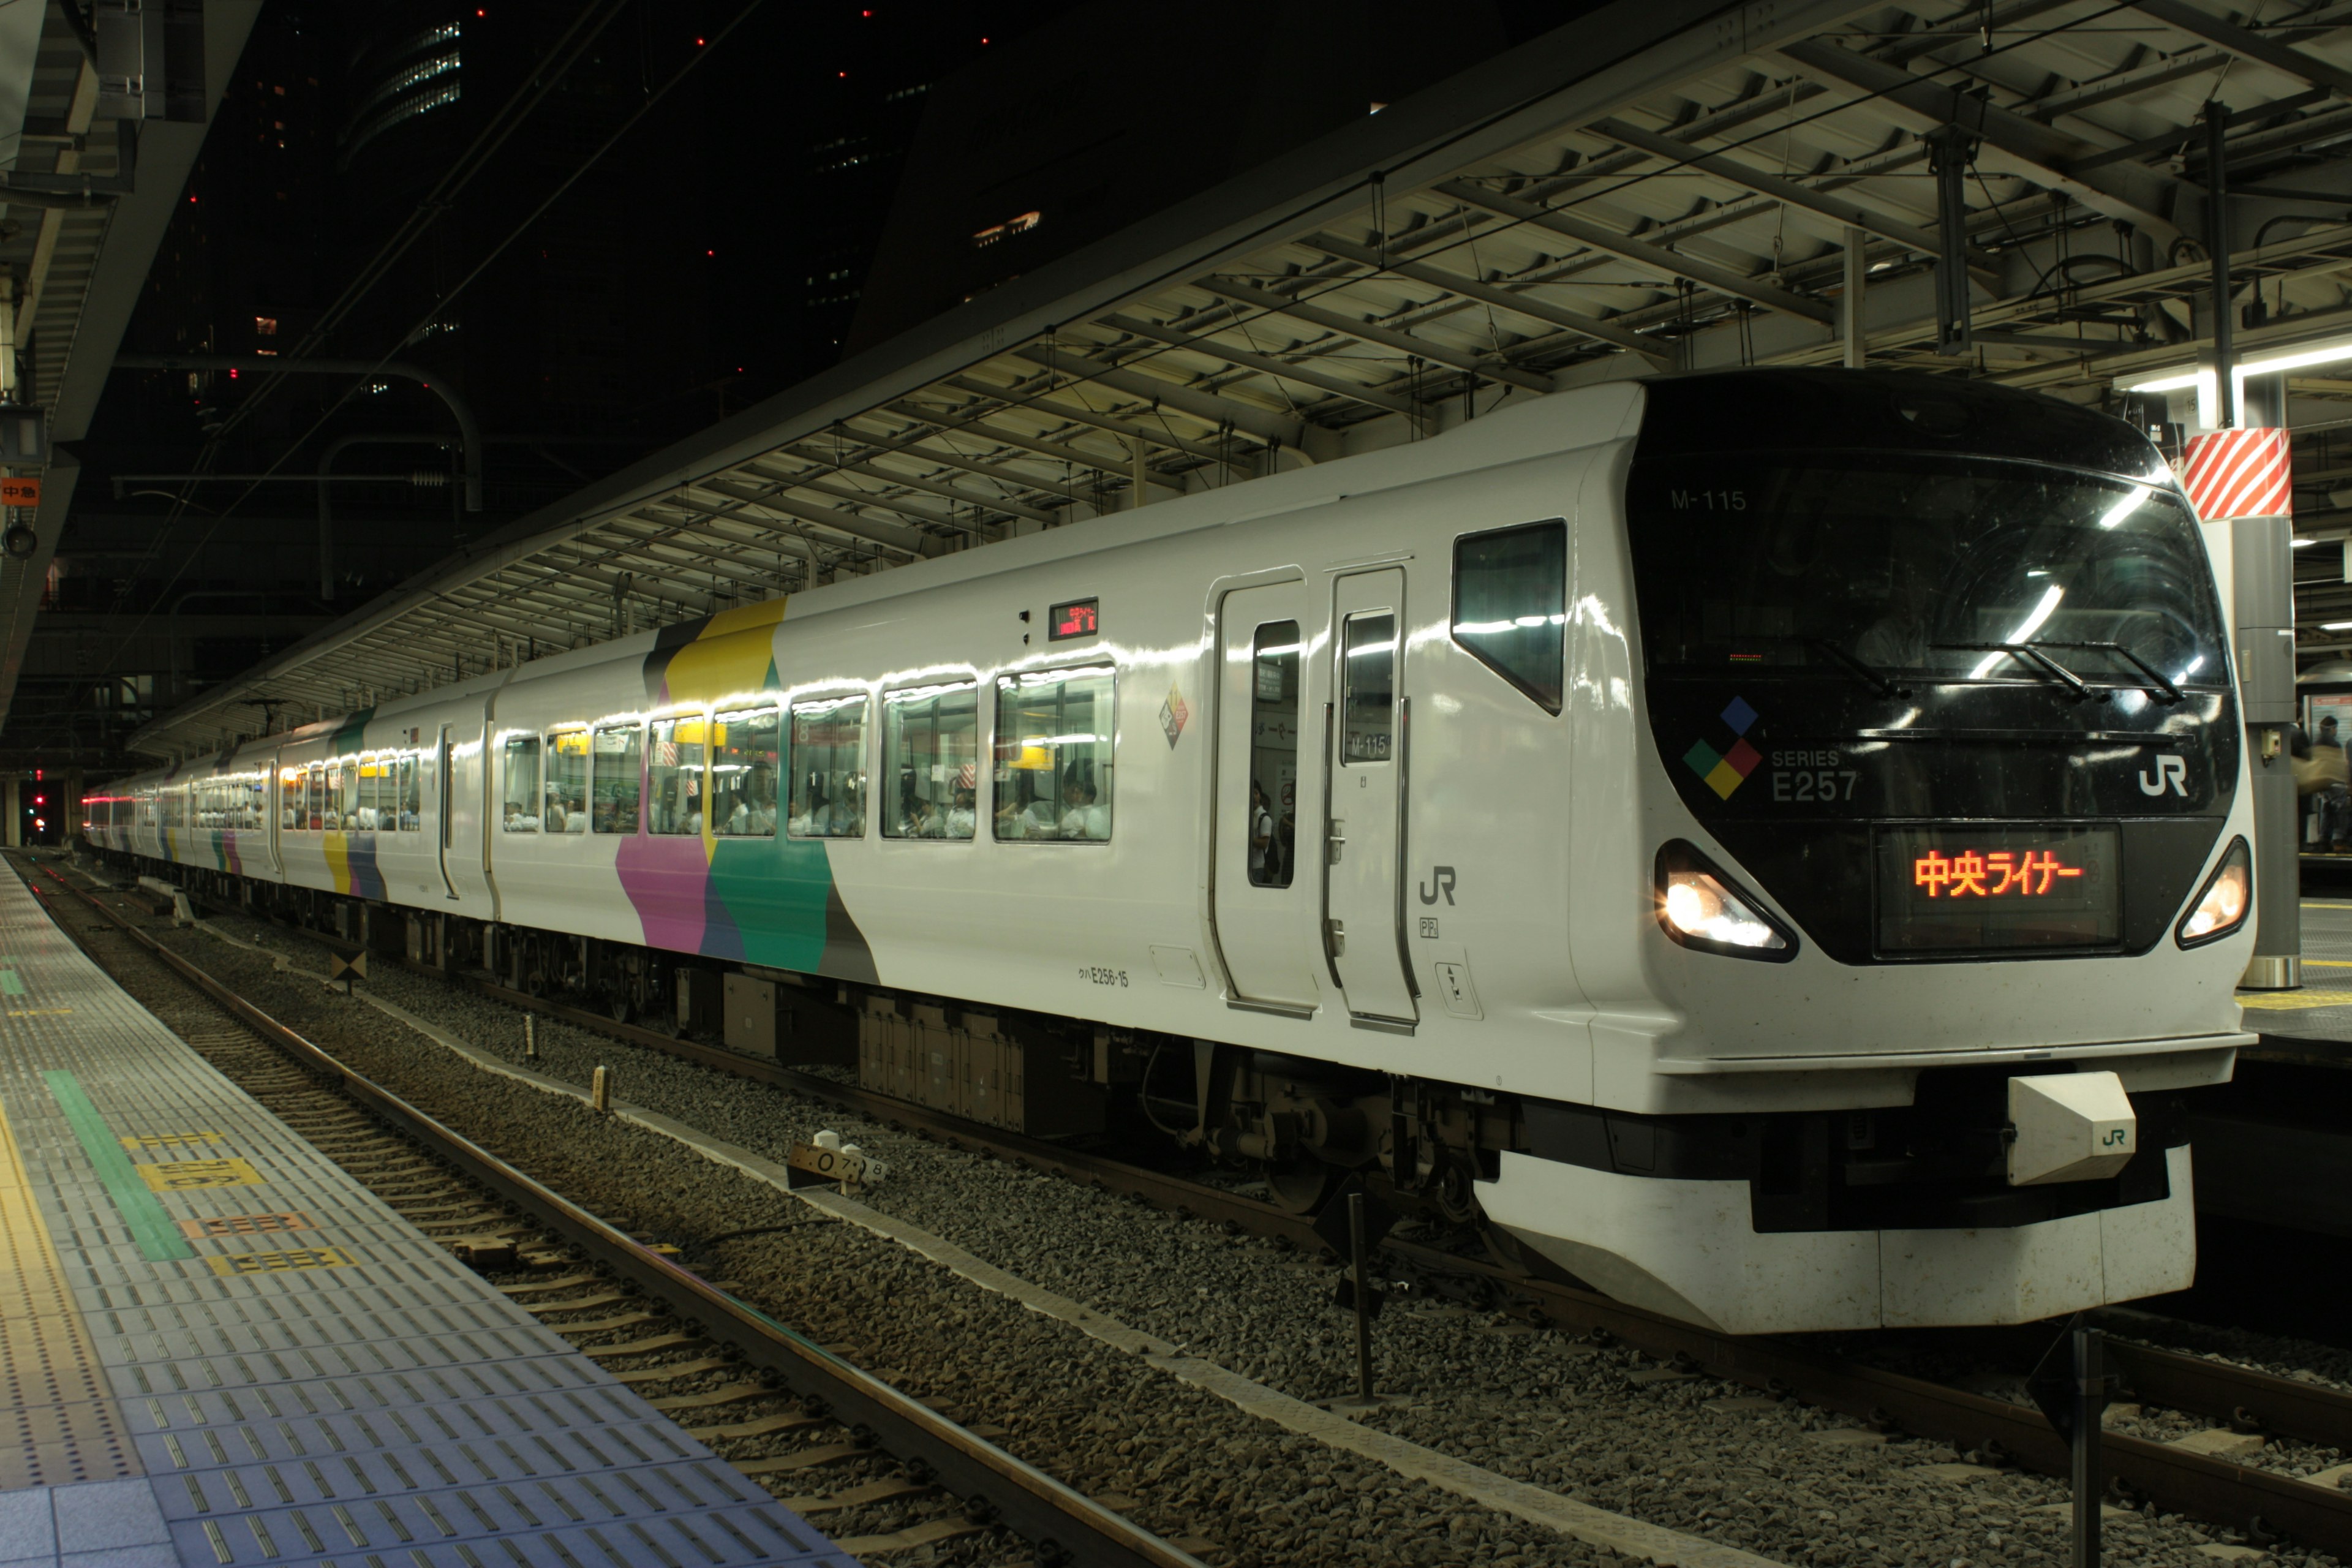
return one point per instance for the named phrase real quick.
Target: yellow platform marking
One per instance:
(180, 1175)
(169, 1139)
(236, 1263)
(2294, 1001)
(243, 1225)
(38, 1012)
(69, 1427)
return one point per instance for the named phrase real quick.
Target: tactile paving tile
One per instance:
(290, 1395)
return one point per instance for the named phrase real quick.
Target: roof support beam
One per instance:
(1046, 408)
(906, 540)
(922, 512)
(1673, 264)
(1503, 298)
(915, 444)
(1264, 364)
(2250, 46)
(2013, 145)
(873, 471)
(1206, 407)
(1489, 366)
(724, 527)
(1852, 214)
(694, 543)
(976, 420)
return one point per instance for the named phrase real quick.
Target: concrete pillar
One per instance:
(2262, 575)
(15, 805)
(1850, 307)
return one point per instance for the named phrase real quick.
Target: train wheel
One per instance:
(1301, 1183)
(1454, 1190)
(622, 1009)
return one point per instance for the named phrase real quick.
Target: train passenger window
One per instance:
(343, 796)
(290, 797)
(674, 776)
(371, 795)
(1367, 689)
(411, 813)
(519, 803)
(1054, 731)
(930, 761)
(567, 782)
(1274, 754)
(1510, 606)
(617, 781)
(828, 769)
(743, 767)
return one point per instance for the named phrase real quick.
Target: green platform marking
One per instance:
(159, 1239)
(11, 983)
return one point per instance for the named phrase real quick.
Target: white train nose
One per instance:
(2069, 1127)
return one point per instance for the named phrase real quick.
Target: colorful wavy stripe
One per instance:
(770, 901)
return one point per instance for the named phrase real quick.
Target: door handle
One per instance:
(1335, 936)
(1334, 841)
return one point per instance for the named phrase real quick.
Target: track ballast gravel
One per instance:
(1596, 1423)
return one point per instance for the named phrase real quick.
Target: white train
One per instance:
(1725, 832)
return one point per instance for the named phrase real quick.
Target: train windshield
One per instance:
(1874, 565)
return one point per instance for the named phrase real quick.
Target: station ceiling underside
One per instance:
(1684, 190)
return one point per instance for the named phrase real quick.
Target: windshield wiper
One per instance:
(1878, 682)
(2172, 693)
(2027, 654)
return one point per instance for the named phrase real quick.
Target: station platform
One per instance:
(2314, 1023)
(217, 1349)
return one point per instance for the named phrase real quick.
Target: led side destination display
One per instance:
(1974, 889)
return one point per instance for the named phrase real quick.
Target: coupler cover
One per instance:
(2069, 1127)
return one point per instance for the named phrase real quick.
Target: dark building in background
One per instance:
(592, 328)
(1073, 133)
(740, 236)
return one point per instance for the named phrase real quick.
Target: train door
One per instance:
(1263, 907)
(273, 812)
(445, 796)
(1366, 733)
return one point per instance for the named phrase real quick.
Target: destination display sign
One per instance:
(1974, 889)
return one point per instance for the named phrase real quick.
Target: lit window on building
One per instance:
(1011, 226)
(265, 326)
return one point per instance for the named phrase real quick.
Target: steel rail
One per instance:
(2261, 1503)
(2258, 1501)
(1065, 1525)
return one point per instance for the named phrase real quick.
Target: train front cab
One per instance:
(1937, 763)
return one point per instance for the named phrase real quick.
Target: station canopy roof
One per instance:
(1660, 183)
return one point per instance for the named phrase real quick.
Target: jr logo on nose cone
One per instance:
(2173, 771)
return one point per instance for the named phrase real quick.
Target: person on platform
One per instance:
(1261, 836)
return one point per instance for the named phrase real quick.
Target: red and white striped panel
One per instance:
(2239, 473)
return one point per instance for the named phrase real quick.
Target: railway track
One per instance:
(2264, 1504)
(625, 1301)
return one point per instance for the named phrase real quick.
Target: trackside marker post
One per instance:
(2072, 1388)
(1363, 1272)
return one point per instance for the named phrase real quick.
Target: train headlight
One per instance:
(1699, 907)
(2221, 907)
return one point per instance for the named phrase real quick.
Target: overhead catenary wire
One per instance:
(448, 294)
(567, 50)
(1059, 380)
